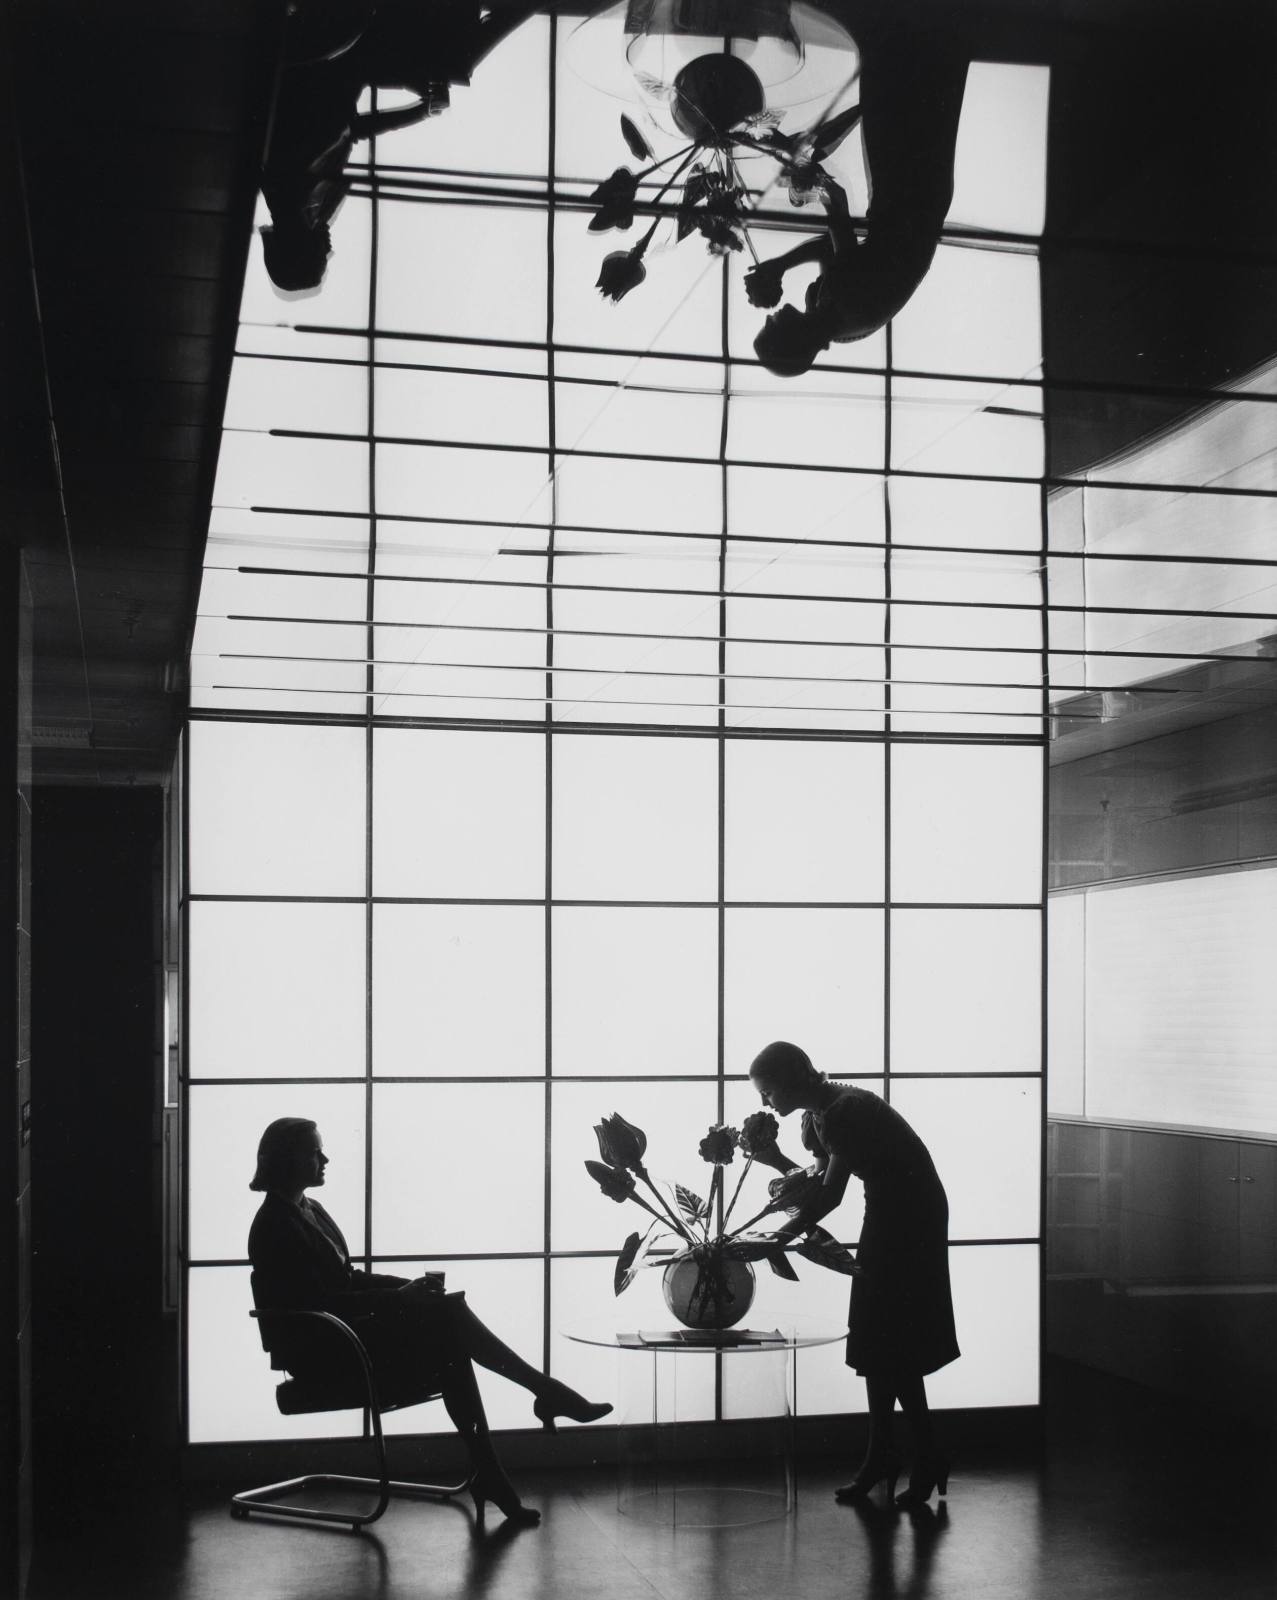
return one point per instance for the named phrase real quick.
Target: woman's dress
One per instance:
(901, 1315)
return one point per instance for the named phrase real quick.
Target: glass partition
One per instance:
(577, 707)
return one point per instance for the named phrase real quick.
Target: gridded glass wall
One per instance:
(577, 708)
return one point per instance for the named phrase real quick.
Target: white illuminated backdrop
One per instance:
(577, 707)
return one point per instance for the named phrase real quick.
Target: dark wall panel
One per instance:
(105, 1392)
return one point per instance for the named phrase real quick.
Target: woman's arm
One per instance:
(765, 280)
(828, 1198)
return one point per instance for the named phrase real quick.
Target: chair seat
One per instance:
(298, 1396)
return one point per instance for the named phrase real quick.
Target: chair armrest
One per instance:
(348, 1333)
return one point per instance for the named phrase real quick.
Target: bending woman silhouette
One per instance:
(900, 1325)
(910, 100)
(416, 1335)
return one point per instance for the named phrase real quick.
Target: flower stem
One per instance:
(757, 1217)
(679, 1226)
(664, 161)
(736, 1194)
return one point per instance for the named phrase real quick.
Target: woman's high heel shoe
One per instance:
(558, 1400)
(930, 1476)
(866, 1481)
(491, 1483)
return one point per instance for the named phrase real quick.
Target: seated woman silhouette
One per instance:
(900, 1325)
(910, 99)
(403, 44)
(416, 1336)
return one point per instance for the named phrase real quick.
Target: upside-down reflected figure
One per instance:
(911, 88)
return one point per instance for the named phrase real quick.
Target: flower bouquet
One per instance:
(709, 1275)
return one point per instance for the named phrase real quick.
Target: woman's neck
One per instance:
(822, 1095)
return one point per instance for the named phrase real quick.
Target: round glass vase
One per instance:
(708, 1291)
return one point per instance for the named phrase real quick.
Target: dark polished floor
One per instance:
(1127, 1498)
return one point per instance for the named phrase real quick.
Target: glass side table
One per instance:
(661, 1372)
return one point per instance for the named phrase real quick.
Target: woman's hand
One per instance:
(764, 284)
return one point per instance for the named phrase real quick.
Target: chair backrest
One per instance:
(263, 1322)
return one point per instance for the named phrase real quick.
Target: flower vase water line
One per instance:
(708, 1290)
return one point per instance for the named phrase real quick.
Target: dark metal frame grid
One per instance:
(544, 729)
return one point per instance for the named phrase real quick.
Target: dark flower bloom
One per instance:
(614, 198)
(719, 233)
(616, 1184)
(622, 271)
(759, 1133)
(621, 1144)
(719, 1145)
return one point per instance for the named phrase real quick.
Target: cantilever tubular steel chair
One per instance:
(296, 1396)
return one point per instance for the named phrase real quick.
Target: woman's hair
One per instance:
(278, 1150)
(784, 1061)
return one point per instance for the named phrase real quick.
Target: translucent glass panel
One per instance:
(966, 824)
(276, 990)
(508, 1296)
(1180, 1007)
(804, 664)
(225, 1125)
(458, 991)
(637, 406)
(774, 502)
(819, 419)
(966, 427)
(1066, 1008)
(459, 1168)
(976, 312)
(457, 813)
(984, 1136)
(996, 1294)
(999, 169)
(230, 1387)
(276, 809)
(811, 976)
(466, 290)
(635, 991)
(467, 138)
(803, 821)
(635, 818)
(966, 991)
(582, 1298)
(947, 511)
(489, 407)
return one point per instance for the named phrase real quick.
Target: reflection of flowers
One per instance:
(614, 198)
(622, 271)
(714, 201)
(683, 1224)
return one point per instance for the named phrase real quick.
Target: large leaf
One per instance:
(821, 1247)
(750, 1247)
(829, 135)
(637, 143)
(633, 1256)
(623, 1273)
(780, 1264)
(693, 1208)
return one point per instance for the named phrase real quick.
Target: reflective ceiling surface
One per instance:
(136, 167)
